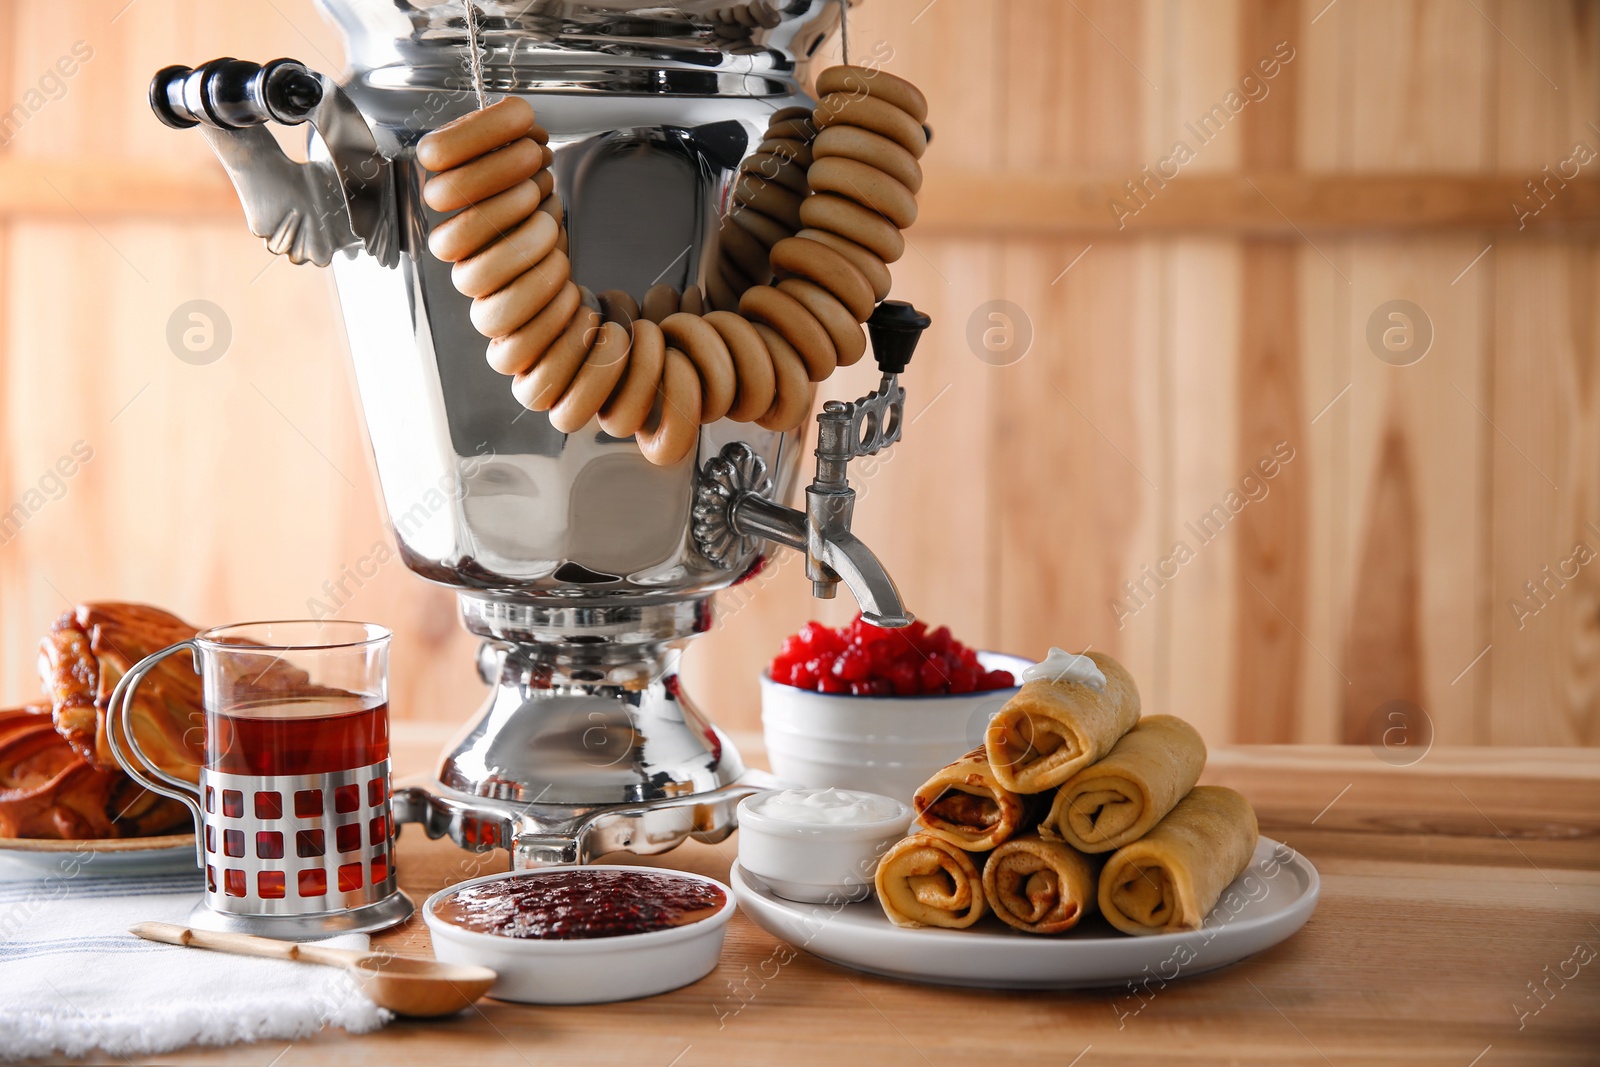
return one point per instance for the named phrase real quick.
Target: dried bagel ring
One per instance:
(659, 301)
(751, 363)
(769, 198)
(541, 385)
(617, 305)
(875, 150)
(503, 311)
(630, 404)
(485, 176)
(866, 185)
(786, 172)
(720, 294)
(874, 269)
(515, 352)
(739, 245)
(789, 317)
(465, 232)
(879, 116)
(602, 368)
(475, 133)
(792, 388)
(789, 148)
(844, 329)
(797, 128)
(850, 190)
(673, 428)
(737, 277)
(551, 205)
(816, 261)
(857, 81)
(493, 267)
(784, 114)
(848, 219)
(764, 229)
(703, 345)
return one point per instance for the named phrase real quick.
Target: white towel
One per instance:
(73, 980)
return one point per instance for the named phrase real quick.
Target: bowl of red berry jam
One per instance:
(583, 935)
(866, 708)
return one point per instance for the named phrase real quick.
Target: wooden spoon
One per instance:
(404, 985)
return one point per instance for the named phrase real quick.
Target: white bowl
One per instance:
(887, 745)
(584, 970)
(815, 862)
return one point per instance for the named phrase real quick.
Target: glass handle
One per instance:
(140, 767)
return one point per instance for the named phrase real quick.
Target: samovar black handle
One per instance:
(232, 94)
(895, 328)
(304, 210)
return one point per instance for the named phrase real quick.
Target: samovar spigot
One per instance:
(731, 503)
(852, 430)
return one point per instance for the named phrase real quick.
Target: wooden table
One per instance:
(1452, 889)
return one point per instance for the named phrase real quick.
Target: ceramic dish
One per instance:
(816, 861)
(888, 745)
(127, 855)
(589, 970)
(1265, 905)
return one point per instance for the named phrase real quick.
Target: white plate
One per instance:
(165, 854)
(1265, 905)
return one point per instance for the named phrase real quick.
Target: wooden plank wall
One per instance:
(1060, 497)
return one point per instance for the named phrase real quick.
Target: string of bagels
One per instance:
(802, 259)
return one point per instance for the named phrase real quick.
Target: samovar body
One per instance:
(582, 566)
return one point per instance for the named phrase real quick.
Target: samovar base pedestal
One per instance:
(587, 744)
(552, 835)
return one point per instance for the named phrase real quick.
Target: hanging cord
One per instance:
(844, 31)
(472, 51)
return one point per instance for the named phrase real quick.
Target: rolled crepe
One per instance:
(1039, 885)
(1052, 729)
(1118, 800)
(966, 805)
(1170, 879)
(926, 881)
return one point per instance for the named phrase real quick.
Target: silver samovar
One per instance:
(583, 567)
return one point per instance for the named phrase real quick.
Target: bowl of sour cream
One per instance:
(818, 845)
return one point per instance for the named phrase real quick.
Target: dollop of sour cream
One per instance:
(1064, 666)
(833, 807)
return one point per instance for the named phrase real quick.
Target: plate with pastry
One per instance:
(1263, 906)
(161, 854)
(64, 801)
(1074, 848)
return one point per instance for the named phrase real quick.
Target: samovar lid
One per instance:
(689, 47)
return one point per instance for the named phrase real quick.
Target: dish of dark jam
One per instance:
(576, 904)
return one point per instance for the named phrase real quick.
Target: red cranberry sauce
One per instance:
(581, 903)
(867, 660)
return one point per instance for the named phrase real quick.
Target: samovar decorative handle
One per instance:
(732, 505)
(307, 211)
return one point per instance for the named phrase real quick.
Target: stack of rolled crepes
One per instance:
(1068, 773)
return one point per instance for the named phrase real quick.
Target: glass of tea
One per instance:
(292, 808)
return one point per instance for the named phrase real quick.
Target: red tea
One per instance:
(298, 735)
